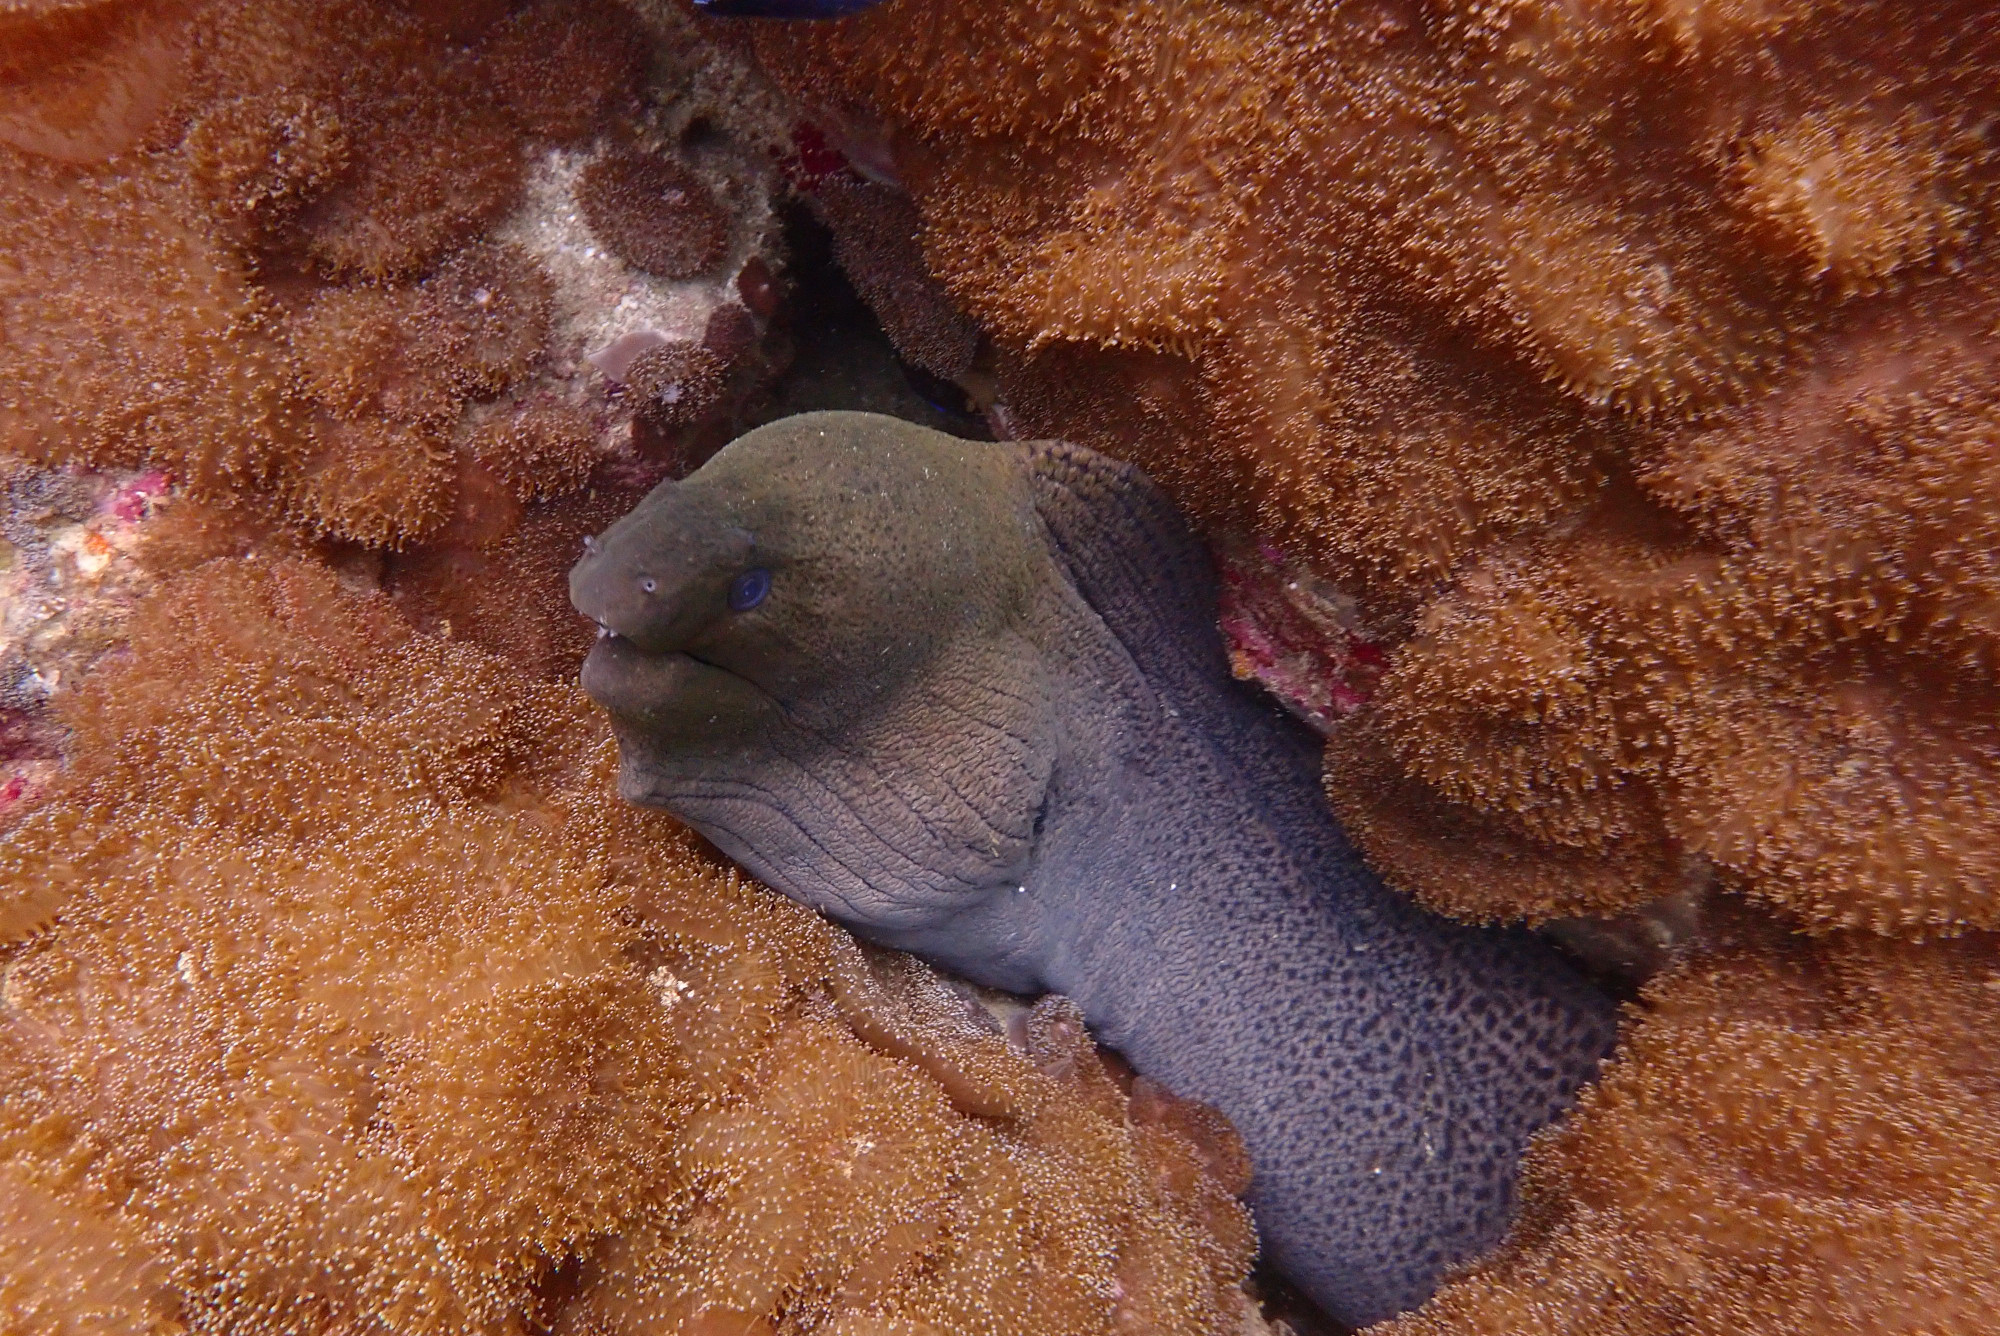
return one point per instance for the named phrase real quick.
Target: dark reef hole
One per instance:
(554, 1290)
(701, 132)
(841, 358)
(1283, 1303)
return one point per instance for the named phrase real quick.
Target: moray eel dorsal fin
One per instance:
(983, 714)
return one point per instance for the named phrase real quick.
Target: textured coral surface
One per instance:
(1605, 393)
(337, 995)
(1630, 365)
(339, 258)
(71, 565)
(1795, 1139)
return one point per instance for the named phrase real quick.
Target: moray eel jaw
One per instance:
(668, 694)
(657, 607)
(662, 596)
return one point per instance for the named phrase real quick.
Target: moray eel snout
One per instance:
(662, 596)
(969, 699)
(664, 643)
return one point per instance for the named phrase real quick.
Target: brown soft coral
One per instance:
(1789, 674)
(85, 80)
(1630, 365)
(390, 370)
(75, 1270)
(246, 244)
(508, 594)
(1793, 1139)
(537, 449)
(561, 71)
(443, 158)
(654, 213)
(340, 994)
(131, 336)
(1587, 705)
(256, 160)
(678, 383)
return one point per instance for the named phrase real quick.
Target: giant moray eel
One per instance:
(969, 700)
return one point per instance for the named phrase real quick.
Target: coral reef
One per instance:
(1599, 402)
(678, 382)
(1826, 1113)
(541, 448)
(1301, 638)
(653, 212)
(332, 257)
(84, 80)
(78, 549)
(497, 581)
(1629, 366)
(370, 1011)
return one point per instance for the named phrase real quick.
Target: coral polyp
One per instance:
(656, 214)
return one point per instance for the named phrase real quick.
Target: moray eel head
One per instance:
(660, 602)
(804, 575)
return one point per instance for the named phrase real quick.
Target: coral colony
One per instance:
(1592, 411)
(384, 1054)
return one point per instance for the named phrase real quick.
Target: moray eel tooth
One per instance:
(969, 699)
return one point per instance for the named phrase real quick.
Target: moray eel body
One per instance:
(969, 700)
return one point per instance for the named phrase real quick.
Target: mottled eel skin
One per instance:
(982, 713)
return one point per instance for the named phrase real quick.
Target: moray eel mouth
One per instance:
(668, 691)
(655, 585)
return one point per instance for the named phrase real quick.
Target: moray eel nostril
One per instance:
(981, 712)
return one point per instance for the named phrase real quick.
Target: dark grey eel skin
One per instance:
(982, 713)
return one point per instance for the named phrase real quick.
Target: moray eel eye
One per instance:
(748, 589)
(649, 584)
